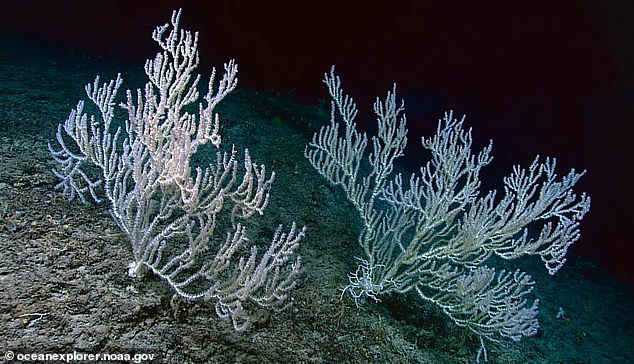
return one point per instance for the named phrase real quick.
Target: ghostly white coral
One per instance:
(170, 211)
